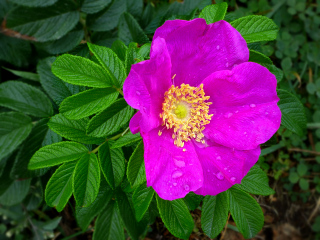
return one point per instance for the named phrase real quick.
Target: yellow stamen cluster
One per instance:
(186, 111)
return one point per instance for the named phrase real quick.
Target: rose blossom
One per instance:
(203, 108)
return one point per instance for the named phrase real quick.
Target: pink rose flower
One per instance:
(203, 108)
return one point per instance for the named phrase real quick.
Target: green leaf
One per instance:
(294, 177)
(258, 57)
(132, 56)
(256, 28)
(126, 140)
(135, 170)
(275, 71)
(214, 13)
(59, 187)
(15, 51)
(108, 18)
(214, 214)
(108, 225)
(48, 24)
(293, 115)
(56, 154)
(26, 75)
(55, 88)
(74, 130)
(15, 193)
(256, 182)
(93, 6)
(246, 212)
(135, 8)
(34, 3)
(66, 43)
(110, 120)
(87, 103)
(141, 198)
(5, 180)
(120, 49)
(304, 184)
(176, 216)
(14, 128)
(29, 147)
(85, 215)
(80, 71)
(144, 50)
(130, 30)
(25, 98)
(134, 228)
(112, 164)
(110, 62)
(86, 180)
(302, 169)
(192, 200)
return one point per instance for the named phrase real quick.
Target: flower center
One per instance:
(185, 109)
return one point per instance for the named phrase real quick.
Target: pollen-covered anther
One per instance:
(185, 109)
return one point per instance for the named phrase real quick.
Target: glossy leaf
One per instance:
(126, 140)
(14, 128)
(56, 154)
(130, 30)
(214, 13)
(24, 98)
(86, 181)
(176, 217)
(80, 71)
(15, 193)
(93, 6)
(59, 187)
(258, 57)
(214, 214)
(88, 102)
(246, 212)
(23, 74)
(110, 62)
(34, 3)
(256, 182)
(293, 116)
(133, 227)
(108, 18)
(85, 215)
(74, 130)
(48, 24)
(108, 225)
(135, 170)
(110, 120)
(255, 28)
(141, 199)
(112, 164)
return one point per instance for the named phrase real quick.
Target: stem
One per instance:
(85, 29)
(112, 138)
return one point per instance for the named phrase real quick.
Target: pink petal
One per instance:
(134, 124)
(146, 84)
(244, 104)
(224, 167)
(170, 171)
(198, 49)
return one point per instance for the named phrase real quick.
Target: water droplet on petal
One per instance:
(228, 115)
(138, 93)
(218, 47)
(220, 176)
(233, 179)
(186, 187)
(267, 113)
(208, 170)
(225, 168)
(177, 174)
(237, 111)
(218, 158)
(227, 64)
(179, 163)
(252, 105)
(174, 184)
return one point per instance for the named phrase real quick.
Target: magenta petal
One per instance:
(146, 84)
(244, 104)
(197, 49)
(134, 124)
(171, 171)
(224, 167)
